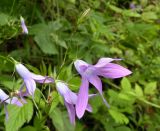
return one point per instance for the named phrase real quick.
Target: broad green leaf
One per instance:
(150, 88)
(60, 120)
(130, 13)
(123, 128)
(125, 84)
(28, 128)
(18, 116)
(138, 91)
(116, 9)
(44, 42)
(148, 16)
(55, 101)
(3, 19)
(118, 117)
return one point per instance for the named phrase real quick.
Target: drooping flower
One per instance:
(23, 25)
(70, 99)
(30, 79)
(90, 73)
(5, 99)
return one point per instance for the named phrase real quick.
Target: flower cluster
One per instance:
(76, 103)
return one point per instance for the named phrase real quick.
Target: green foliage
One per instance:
(62, 31)
(18, 116)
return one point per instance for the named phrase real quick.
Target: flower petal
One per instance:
(82, 99)
(71, 112)
(41, 79)
(65, 92)
(23, 25)
(96, 81)
(23, 71)
(113, 71)
(15, 101)
(80, 66)
(3, 95)
(103, 61)
(30, 86)
(89, 108)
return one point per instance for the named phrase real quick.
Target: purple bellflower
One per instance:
(70, 99)
(30, 79)
(90, 73)
(5, 99)
(23, 25)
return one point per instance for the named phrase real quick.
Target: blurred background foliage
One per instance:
(61, 31)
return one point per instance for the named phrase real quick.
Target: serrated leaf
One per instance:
(45, 44)
(150, 88)
(138, 91)
(125, 84)
(18, 116)
(118, 117)
(61, 120)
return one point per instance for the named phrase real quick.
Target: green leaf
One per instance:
(61, 120)
(116, 9)
(118, 116)
(138, 91)
(45, 44)
(150, 88)
(125, 84)
(148, 16)
(55, 101)
(3, 19)
(18, 116)
(130, 13)
(28, 128)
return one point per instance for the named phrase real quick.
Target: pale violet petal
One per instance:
(113, 71)
(80, 66)
(23, 71)
(104, 61)
(71, 112)
(82, 99)
(30, 86)
(41, 79)
(89, 108)
(3, 95)
(64, 91)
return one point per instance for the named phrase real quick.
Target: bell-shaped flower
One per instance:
(30, 79)
(70, 99)
(23, 25)
(90, 73)
(5, 99)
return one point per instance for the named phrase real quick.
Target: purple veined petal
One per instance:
(80, 66)
(23, 71)
(82, 99)
(71, 112)
(30, 86)
(113, 71)
(15, 101)
(42, 79)
(89, 108)
(104, 61)
(69, 96)
(96, 81)
(3, 95)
